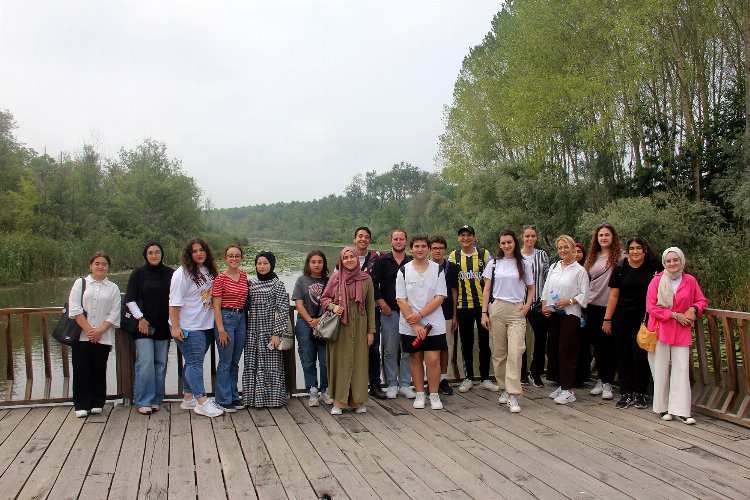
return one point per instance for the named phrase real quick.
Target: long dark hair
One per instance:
(516, 252)
(615, 250)
(186, 259)
(324, 273)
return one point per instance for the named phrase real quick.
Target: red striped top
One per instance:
(232, 293)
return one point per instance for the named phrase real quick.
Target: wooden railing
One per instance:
(721, 381)
(721, 373)
(38, 321)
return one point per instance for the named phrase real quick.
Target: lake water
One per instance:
(54, 292)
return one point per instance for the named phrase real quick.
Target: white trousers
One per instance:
(671, 388)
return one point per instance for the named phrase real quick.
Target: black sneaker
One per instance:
(377, 392)
(237, 403)
(641, 402)
(625, 401)
(524, 380)
(536, 381)
(227, 407)
(445, 387)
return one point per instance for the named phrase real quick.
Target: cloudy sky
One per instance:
(262, 101)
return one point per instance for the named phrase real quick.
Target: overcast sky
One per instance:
(262, 101)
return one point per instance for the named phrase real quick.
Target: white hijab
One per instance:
(665, 296)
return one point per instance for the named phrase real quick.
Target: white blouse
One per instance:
(101, 300)
(571, 282)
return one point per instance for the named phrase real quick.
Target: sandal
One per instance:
(144, 410)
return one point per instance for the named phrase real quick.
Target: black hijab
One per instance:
(271, 260)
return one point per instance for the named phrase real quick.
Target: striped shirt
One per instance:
(232, 293)
(470, 280)
(539, 266)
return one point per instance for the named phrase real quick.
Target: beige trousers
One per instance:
(508, 336)
(671, 386)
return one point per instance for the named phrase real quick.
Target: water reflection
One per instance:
(54, 292)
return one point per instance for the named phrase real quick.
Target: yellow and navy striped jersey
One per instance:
(470, 280)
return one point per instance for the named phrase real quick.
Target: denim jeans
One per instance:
(194, 349)
(150, 371)
(395, 375)
(228, 368)
(310, 352)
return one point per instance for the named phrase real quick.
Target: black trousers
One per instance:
(89, 375)
(540, 324)
(604, 345)
(467, 318)
(562, 349)
(632, 361)
(373, 353)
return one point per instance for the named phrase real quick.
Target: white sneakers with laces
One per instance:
(314, 397)
(489, 385)
(598, 388)
(466, 385)
(208, 409)
(607, 391)
(565, 397)
(513, 404)
(503, 399)
(391, 392)
(555, 393)
(435, 402)
(419, 400)
(407, 392)
(188, 404)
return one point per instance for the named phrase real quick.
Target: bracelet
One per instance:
(608, 321)
(485, 312)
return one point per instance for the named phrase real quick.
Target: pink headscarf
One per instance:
(352, 287)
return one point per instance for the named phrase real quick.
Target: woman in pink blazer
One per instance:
(673, 302)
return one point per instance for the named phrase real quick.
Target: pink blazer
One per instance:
(669, 330)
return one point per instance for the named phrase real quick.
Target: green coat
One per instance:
(347, 357)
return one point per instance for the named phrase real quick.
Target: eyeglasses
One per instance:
(438, 249)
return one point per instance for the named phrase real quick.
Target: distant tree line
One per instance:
(55, 211)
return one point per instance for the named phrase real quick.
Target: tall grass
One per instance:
(26, 257)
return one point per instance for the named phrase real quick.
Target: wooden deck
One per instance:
(472, 449)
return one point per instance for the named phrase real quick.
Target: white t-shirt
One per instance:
(193, 297)
(419, 289)
(508, 285)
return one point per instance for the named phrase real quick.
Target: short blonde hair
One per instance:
(567, 239)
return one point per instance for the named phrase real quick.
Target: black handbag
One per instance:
(128, 323)
(67, 330)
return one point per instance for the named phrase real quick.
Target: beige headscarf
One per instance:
(665, 296)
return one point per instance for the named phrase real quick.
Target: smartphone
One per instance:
(151, 331)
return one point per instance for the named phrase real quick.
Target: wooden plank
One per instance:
(10, 421)
(155, 470)
(181, 467)
(109, 448)
(239, 483)
(73, 472)
(20, 436)
(48, 468)
(454, 495)
(359, 458)
(475, 478)
(384, 438)
(207, 466)
(18, 472)
(261, 417)
(259, 463)
(125, 483)
(353, 483)
(291, 474)
(662, 457)
(318, 474)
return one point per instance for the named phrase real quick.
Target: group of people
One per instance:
(407, 307)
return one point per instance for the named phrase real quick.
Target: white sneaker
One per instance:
(419, 400)
(466, 385)
(490, 386)
(408, 393)
(361, 409)
(598, 388)
(607, 391)
(313, 401)
(392, 392)
(327, 399)
(188, 404)
(208, 409)
(82, 413)
(513, 404)
(556, 392)
(336, 410)
(96, 411)
(435, 402)
(503, 398)
(565, 397)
